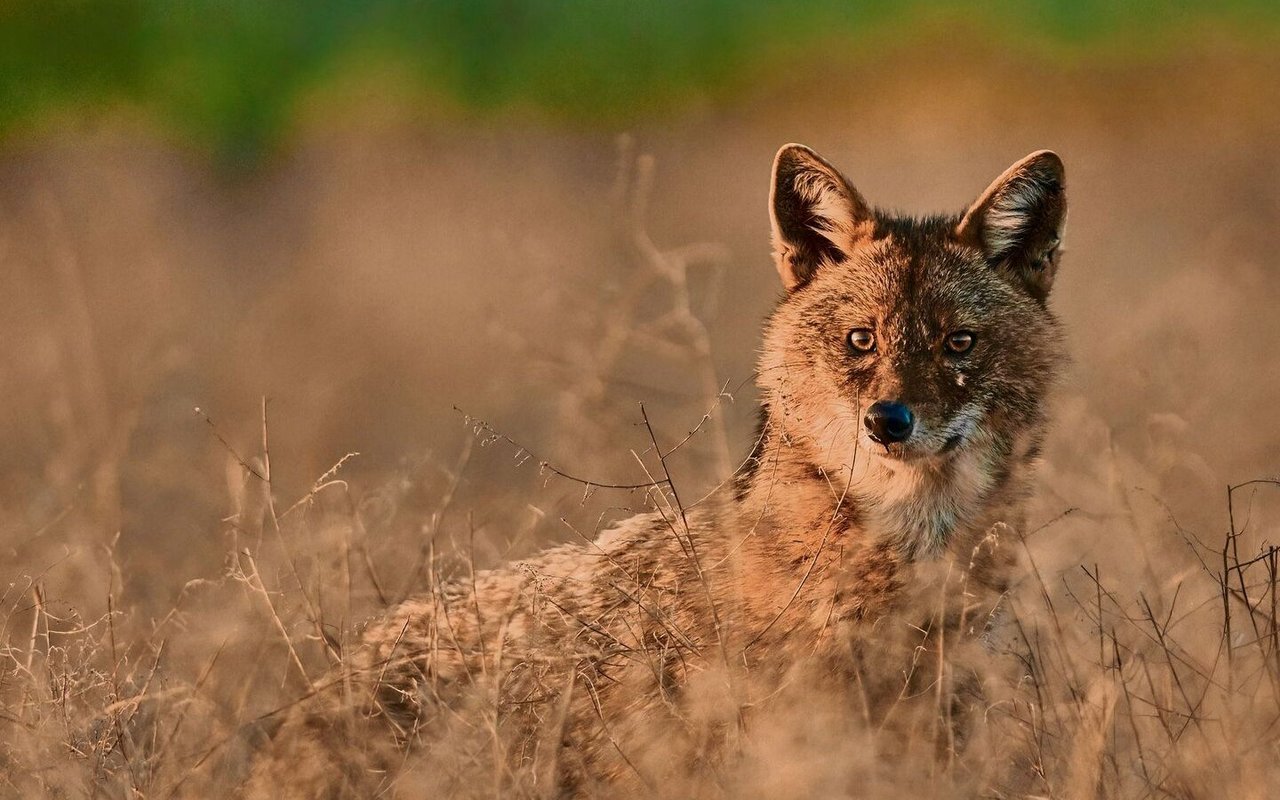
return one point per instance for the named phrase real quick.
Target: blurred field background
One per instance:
(393, 219)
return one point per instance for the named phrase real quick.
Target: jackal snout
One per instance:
(889, 422)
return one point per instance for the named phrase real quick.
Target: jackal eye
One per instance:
(960, 343)
(862, 340)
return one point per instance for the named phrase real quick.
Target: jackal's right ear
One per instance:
(817, 216)
(1018, 221)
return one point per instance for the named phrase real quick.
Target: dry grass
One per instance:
(156, 620)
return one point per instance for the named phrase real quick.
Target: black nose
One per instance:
(889, 422)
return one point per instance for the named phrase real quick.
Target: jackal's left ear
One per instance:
(817, 216)
(1018, 221)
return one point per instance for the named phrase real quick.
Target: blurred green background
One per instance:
(229, 76)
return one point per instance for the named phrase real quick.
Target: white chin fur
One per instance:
(917, 504)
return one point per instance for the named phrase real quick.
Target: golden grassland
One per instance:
(176, 579)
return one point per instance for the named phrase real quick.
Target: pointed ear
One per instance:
(1017, 222)
(817, 216)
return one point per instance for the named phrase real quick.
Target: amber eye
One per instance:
(862, 340)
(960, 343)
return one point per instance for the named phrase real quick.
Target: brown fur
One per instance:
(649, 658)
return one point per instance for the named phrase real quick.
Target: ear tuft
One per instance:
(817, 217)
(1018, 221)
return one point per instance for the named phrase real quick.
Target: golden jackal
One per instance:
(855, 559)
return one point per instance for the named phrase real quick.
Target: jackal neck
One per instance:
(921, 509)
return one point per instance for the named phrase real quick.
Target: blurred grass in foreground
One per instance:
(227, 75)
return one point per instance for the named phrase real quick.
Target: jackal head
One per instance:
(913, 344)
